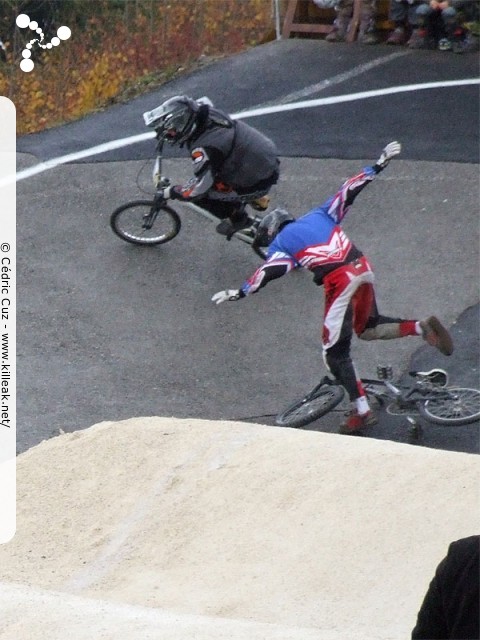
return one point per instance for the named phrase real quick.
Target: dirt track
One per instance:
(231, 521)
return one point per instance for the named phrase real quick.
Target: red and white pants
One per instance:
(351, 284)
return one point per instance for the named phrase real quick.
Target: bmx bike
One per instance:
(428, 396)
(154, 222)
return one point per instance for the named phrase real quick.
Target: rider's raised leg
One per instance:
(431, 330)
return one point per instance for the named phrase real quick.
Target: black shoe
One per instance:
(228, 228)
(435, 334)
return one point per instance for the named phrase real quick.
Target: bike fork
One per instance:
(150, 217)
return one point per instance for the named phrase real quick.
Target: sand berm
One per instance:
(161, 528)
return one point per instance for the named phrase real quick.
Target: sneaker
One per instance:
(228, 227)
(397, 37)
(260, 204)
(435, 334)
(444, 44)
(458, 46)
(369, 37)
(471, 43)
(465, 45)
(355, 422)
(420, 40)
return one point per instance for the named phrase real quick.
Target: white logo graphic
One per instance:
(24, 22)
(335, 249)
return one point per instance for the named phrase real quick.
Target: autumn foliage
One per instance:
(118, 46)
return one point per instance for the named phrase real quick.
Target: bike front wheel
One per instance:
(454, 406)
(313, 406)
(145, 222)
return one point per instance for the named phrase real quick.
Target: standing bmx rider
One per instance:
(317, 242)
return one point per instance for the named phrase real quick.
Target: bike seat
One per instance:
(437, 377)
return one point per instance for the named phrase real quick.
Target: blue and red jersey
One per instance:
(315, 241)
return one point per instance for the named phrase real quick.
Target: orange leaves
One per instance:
(117, 47)
(101, 82)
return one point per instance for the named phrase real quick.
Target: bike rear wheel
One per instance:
(145, 222)
(311, 407)
(454, 406)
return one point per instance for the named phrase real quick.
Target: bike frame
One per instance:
(408, 395)
(407, 398)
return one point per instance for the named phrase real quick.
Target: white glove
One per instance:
(228, 295)
(392, 149)
(167, 193)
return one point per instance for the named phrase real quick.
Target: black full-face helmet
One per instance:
(175, 120)
(271, 224)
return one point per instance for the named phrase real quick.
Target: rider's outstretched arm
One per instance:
(274, 267)
(277, 265)
(337, 207)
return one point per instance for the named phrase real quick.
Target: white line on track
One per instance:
(260, 111)
(338, 79)
(363, 95)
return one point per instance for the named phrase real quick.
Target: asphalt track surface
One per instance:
(108, 331)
